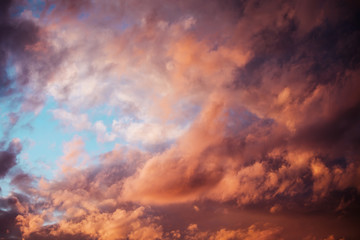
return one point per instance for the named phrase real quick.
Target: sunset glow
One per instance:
(180, 119)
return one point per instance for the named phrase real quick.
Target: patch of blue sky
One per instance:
(107, 115)
(7, 102)
(104, 113)
(35, 6)
(46, 137)
(56, 216)
(10, 69)
(10, 74)
(122, 25)
(43, 138)
(42, 141)
(93, 147)
(83, 15)
(4, 120)
(5, 187)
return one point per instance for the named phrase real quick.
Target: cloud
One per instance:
(102, 134)
(88, 201)
(16, 34)
(74, 157)
(26, 61)
(78, 121)
(119, 224)
(11, 207)
(251, 233)
(23, 181)
(236, 104)
(149, 134)
(8, 157)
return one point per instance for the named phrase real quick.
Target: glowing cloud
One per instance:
(179, 119)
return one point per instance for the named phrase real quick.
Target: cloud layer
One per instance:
(231, 119)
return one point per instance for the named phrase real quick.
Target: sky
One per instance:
(180, 120)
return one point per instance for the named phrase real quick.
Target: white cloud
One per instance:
(78, 121)
(147, 133)
(102, 134)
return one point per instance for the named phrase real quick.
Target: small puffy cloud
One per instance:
(102, 134)
(192, 227)
(74, 155)
(196, 208)
(276, 208)
(78, 121)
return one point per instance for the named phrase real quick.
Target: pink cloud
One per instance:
(241, 109)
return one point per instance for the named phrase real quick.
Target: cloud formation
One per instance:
(230, 119)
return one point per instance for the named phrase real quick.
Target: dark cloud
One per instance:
(44, 234)
(342, 131)
(21, 178)
(15, 35)
(7, 161)
(8, 228)
(23, 182)
(8, 157)
(8, 213)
